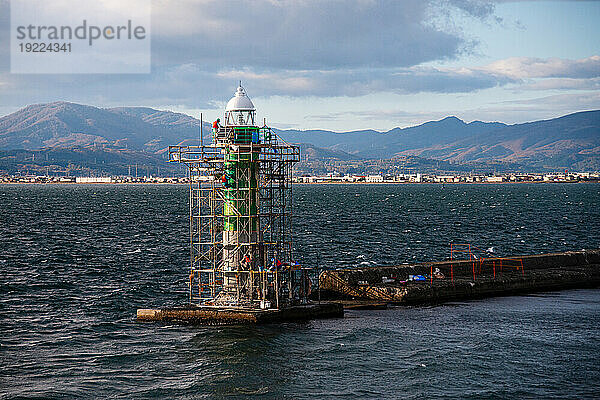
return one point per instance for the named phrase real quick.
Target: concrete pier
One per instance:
(229, 316)
(463, 279)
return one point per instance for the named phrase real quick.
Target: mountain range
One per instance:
(65, 125)
(571, 141)
(568, 141)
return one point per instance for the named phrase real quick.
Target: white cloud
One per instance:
(528, 67)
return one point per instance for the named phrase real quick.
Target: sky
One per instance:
(348, 65)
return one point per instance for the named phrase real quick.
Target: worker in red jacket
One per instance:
(216, 124)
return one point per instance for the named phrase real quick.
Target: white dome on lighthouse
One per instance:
(240, 101)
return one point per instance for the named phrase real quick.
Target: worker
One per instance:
(216, 125)
(277, 264)
(247, 262)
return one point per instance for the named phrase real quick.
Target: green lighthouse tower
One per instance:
(241, 252)
(241, 236)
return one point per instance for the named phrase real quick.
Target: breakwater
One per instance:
(438, 282)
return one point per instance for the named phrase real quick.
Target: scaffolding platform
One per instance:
(242, 267)
(241, 248)
(206, 315)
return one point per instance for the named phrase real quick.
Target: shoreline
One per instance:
(440, 183)
(310, 183)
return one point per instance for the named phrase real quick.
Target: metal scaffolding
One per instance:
(240, 218)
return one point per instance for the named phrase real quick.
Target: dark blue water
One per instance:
(77, 261)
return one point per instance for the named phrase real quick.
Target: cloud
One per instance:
(287, 47)
(528, 67)
(359, 82)
(524, 73)
(190, 85)
(563, 84)
(300, 48)
(482, 9)
(306, 34)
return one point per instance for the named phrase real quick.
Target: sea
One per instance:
(76, 261)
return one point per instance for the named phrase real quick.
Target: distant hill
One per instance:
(571, 141)
(87, 162)
(561, 142)
(374, 144)
(66, 125)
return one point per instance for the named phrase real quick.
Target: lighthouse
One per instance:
(240, 214)
(242, 266)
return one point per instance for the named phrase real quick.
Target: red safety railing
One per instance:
(480, 261)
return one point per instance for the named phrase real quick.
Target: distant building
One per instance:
(447, 178)
(91, 179)
(374, 178)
